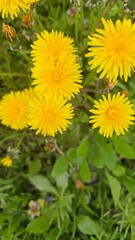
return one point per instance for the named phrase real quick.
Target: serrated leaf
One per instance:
(41, 183)
(39, 225)
(115, 188)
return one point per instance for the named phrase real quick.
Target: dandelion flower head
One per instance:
(51, 46)
(29, 93)
(112, 114)
(14, 110)
(49, 116)
(13, 7)
(58, 79)
(56, 71)
(6, 162)
(112, 49)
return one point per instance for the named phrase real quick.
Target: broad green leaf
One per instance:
(72, 157)
(60, 166)
(110, 156)
(83, 149)
(129, 183)
(62, 180)
(71, 153)
(39, 225)
(123, 148)
(118, 170)
(41, 183)
(85, 171)
(87, 226)
(104, 155)
(98, 156)
(115, 188)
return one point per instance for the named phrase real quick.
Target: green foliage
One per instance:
(39, 225)
(88, 226)
(87, 182)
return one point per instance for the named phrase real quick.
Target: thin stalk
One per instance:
(81, 21)
(64, 6)
(76, 24)
(20, 140)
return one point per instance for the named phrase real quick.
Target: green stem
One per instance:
(74, 226)
(64, 6)
(90, 21)
(81, 21)
(20, 140)
(23, 53)
(76, 24)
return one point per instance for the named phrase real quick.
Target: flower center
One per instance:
(120, 46)
(16, 111)
(56, 77)
(50, 116)
(112, 113)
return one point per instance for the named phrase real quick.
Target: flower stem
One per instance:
(81, 21)
(76, 23)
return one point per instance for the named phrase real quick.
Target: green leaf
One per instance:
(123, 148)
(115, 188)
(35, 166)
(88, 226)
(104, 155)
(62, 180)
(85, 171)
(98, 156)
(60, 166)
(39, 225)
(119, 170)
(83, 149)
(110, 156)
(129, 183)
(41, 183)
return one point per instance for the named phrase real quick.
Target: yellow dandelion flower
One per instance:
(6, 162)
(51, 46)
(112, 114)
(29, 93)
(13, 7)
(112, 49)
(49, 116)
(14, 110)
(59, 79)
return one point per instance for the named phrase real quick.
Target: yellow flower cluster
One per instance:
(112, 52)
(57, 78)
(56, 71)
(13, 7)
